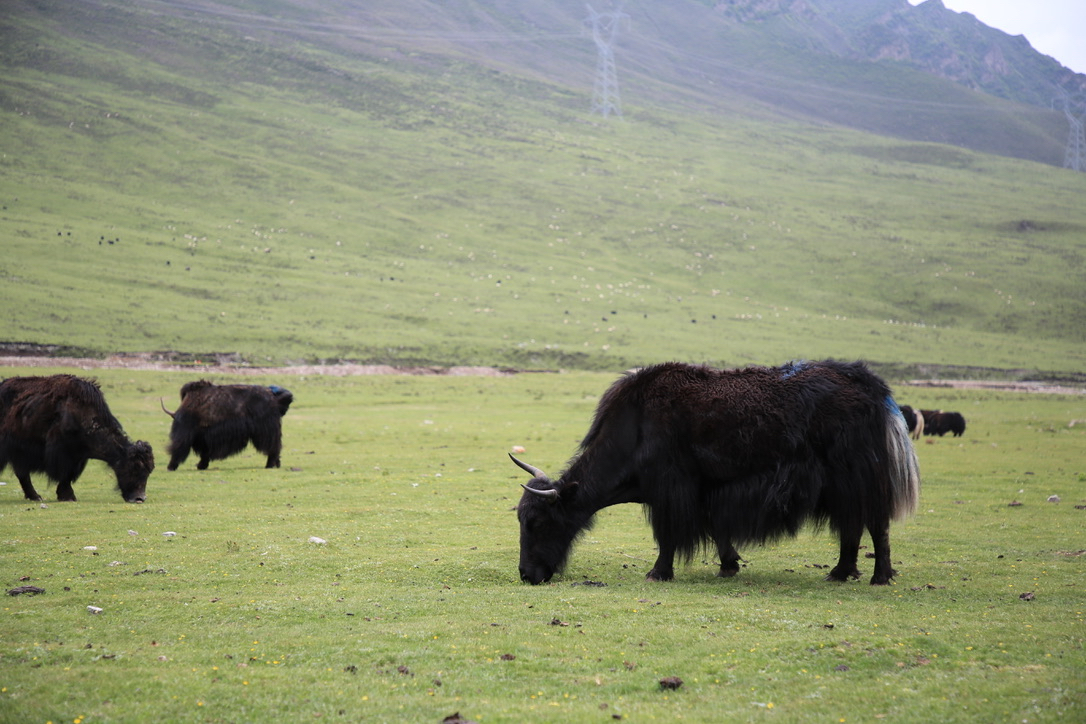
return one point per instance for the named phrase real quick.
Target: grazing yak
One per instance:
(218, 421)
(732, 457)
(54, 425)
(937, 422)
(954, 423)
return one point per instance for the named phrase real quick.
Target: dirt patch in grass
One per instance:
(143, 362)
(1006, 386)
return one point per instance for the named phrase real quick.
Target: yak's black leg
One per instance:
(28, 488)
(880, 537)
(664, 568)
(177, 458)
(273, 461)
(729, 558)
(201, 448)
(65, 492)
(850, 551)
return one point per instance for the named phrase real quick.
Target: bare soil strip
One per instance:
(1037, 387)
(139, 362)
(133, 362)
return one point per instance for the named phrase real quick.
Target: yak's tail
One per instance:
(903, 467)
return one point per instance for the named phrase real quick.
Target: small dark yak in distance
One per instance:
(218, 421)
(937, 422)
(54, 425)
(732, 457)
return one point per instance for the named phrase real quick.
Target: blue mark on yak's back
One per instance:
(790, 369)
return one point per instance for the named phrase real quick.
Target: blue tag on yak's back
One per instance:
(794, 367)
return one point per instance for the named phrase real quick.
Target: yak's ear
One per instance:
(569, 491)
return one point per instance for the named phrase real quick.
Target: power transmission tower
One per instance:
(605, 100)
(1074, 107)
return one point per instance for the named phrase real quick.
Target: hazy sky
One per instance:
(1053, 27)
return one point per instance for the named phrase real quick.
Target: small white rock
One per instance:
(94, 609)
(169, 533)
(132, 532)
(90, 548)
(315, 539)
(518, 448)
(1053, 499)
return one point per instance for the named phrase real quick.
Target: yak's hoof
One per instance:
(654, 575)
(836, 575)
(727, 570)
(883, 580)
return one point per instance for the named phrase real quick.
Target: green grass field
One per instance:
(172, 186)
(412, 609)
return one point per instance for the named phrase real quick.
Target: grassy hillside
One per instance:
(179, 183)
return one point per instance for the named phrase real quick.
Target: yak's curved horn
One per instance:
(171, 414)
(550, 494)
(530, 469)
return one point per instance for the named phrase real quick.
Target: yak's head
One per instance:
(135, 466)
(549, 523)
(283, 398)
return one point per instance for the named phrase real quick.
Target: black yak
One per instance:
(940, 423)
(54, 425)
(732, 457)
(218, 421)
(954, 422)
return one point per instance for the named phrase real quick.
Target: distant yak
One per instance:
(218, 421)
(729, 457)
(54, 425)
(937, 422)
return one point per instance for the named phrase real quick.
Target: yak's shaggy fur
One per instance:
(732, 457)
(54, 425)
(218, 421)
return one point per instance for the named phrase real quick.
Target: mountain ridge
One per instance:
(922, 73)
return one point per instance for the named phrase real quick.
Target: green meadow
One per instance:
(411, 608)
(176, 185)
